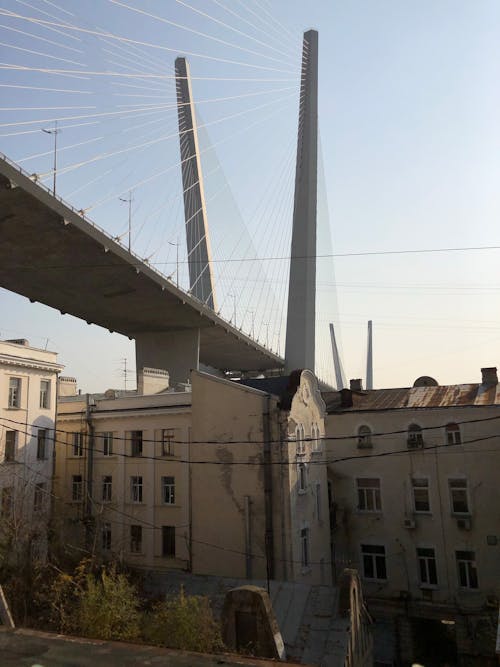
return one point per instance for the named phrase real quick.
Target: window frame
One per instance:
(77, 488)
(39, 496)
(300, 440)
(166, 439)
(366, 492)
(106, 438)
(301, 478)
(427, 565)
(378, 561)
(77, 444)
(453, 484)
(468, 567)
(41, 444)
(14, 396)
(305, 555)
(136, 489)
(136, 544)
(453, 434)
(364, 435)
(107, 488)
(136, 443)
(420, 487)
(168, 540)
(168, 490)
(10, 449)
(415, 436)
(44, 403)
(106, 536)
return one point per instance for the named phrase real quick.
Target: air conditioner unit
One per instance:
(464, 524)
(410, 524)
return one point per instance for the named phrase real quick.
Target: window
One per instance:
(369, 494)
(106, 537)
(77, 488)
(318, 501)
(107, 488)
(40, 491)
(374, 566)
(453, 436)
(77, 444)
(41, 444)
(421, 500)
(7, 493)
(168, 541)
(136, 489)
(304, 542)
(364, 437)
(136, 443)
(459, 496)
(136, 539)
(426, 558)
(10, 445)
(467, 571)
(45, 394)
(415, 437)
(106, 443)
(166, 439)
(14, 393)
(302, 477)
(299, 438)
(316, 438)
(168, 490)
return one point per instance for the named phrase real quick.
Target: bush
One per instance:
(183, 622)
(108, 607)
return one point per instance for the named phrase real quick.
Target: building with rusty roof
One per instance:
(415, 506)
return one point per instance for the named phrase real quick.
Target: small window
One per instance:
(77, 444)
(107, 488)
(166, 437)
(374, 563)
(453, 436)
(467, 571)
(7, 496)
(364, 437)
(77, 488)
(302, 477)
(369, 499)
(45, 394)
(415, 437)
(316, 438)
(39, 495)
(426, 558)
(136, 539)
(304, 541)
(10, 445)
(168, 490)
(106, 537)
(136, 489)
(106, 443)
(421, 500)
(41, 444)
(299, 439)
(136, 443)
(168, 541)
(14, 393)
(459, 496)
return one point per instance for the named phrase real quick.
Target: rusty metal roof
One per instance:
(417, 397)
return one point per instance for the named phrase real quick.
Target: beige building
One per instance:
(416, 508)
(215, 477)
(28, 386)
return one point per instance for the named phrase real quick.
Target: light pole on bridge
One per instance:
(55, 131)
(129, 202)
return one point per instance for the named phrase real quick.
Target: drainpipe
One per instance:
(268, 489)
(248, 539)
(90, 475)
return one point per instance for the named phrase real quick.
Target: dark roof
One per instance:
(283, 386)
(413, 398)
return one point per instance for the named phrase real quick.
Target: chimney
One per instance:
(356, 385)
(67, 386)
(489, 376)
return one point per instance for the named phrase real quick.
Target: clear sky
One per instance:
(410, 137)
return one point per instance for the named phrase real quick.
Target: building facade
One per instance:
(28, 392)
(416, 504)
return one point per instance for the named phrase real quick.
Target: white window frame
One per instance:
(39, 496)
(369, 495)
(106, 438)
(420, 482)
(376, 559)
(77, 444)
(136, 444)
(468, 567)
(42, 438)
(168, 490)
(415, 436)
(136, 489)
(300, 439)
(453, 434)
(425, 560)
(316, 438)
(364, 437)
(107, 488)
(77, 488)
(465, 487)
(10, 456)
(167, 437)
(45, 386)
(15, 387)
(106, 537)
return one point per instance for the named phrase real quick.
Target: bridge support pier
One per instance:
(177, 352)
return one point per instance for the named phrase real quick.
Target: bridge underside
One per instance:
(51, 254)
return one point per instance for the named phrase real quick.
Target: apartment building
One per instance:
(214, 477)
(28, 388)
(416, 508)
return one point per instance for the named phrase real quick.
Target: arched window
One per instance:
(299, 438)
(316, 438)
(453, 436)
(415, 437)
(364, 436)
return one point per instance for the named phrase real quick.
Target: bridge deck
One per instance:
(51, 254)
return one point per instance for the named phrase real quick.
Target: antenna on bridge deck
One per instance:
(337, 363)
(369, 358)
(301, 314)
(197, 237)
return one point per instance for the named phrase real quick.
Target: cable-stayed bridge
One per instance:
(81, 270)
